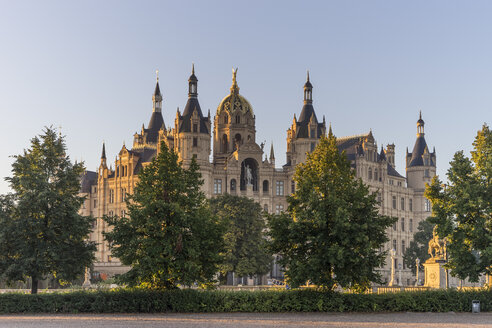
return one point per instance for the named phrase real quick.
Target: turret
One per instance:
(192, 129)
(304, 134)
(420, 163)
(157, 96)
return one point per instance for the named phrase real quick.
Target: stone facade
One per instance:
(240, 166)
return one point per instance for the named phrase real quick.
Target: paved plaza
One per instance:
(366, 320)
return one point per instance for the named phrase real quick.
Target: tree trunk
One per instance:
(34, 285)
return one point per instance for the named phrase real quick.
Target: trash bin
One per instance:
(475, 306)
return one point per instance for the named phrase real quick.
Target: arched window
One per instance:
(237, 140)
(394, 244)
(225, 118)
(224, 143)
(238, 119)
(265, 186)
(376, 174)
(233, 184)
(370, 174)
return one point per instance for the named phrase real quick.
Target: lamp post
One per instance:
(393, 255)
(417, 265)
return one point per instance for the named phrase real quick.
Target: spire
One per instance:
(157, 96)
(103, 154)
(234, 87)
(382, 154)
(330, 132)
(192, 83)
(420, 125)
(272, 155)
(308, 91)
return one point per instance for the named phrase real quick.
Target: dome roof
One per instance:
(234, 102)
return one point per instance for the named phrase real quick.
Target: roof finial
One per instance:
(308, 75)
(420, 114)
(234, 86)
(157, 75)
(192, 68)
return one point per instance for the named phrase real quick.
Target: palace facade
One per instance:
(241, 166)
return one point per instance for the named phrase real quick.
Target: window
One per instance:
(313, 135)
(376, 174)
(410, 205)
(403, 246)
(402, 204)
(265, 185)
(111, 196)
(280, 188)
(238, 119)
(410, 225)
(233, 185)
(123, 213)
(292, 186)
(427, 205)
(402, 224)
(225, 119)
(426, 174)
(394, 202)
(279, 209)
(394, 244)
(380, 198)
(195, 142)
(265, 207)
(394, 226)
(369, 174)
(195, 127)
(399, 184)
(110, 213)
(313, 146)
(95, 203)
(390, 182)
(218, 186)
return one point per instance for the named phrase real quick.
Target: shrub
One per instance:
(189, 300)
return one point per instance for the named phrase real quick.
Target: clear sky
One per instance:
(89, 67)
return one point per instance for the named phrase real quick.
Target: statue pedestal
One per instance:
(249, 190)
(435, 274)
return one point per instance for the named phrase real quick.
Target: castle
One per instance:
(240, 166)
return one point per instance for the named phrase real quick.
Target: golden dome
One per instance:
(234, 102)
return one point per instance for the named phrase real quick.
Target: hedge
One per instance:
(188, 300)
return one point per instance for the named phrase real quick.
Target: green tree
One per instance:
(245, 251)
(332, 232)
(419, 246)
(41, 232)
(462, 210)
(169, 237)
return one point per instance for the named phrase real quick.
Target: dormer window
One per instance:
(195, 127)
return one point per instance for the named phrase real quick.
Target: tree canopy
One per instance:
(169, 237)
(245, 251)
(41, 232)
(332, 231)
(462, 209)
(419, 246)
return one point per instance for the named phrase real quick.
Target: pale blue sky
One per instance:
(89, 66)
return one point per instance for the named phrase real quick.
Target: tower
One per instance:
(303, 135)
(192, 129)
(234, 123)
(420, 163)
